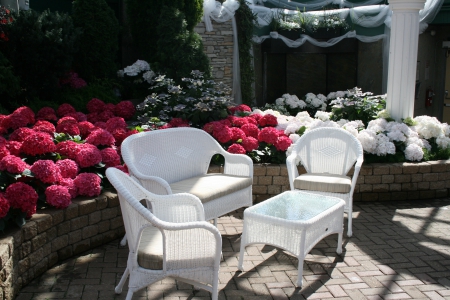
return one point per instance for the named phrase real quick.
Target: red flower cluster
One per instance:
(72, 80)
(56, 165)
(244, 134)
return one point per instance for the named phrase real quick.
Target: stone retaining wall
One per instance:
(53, 235)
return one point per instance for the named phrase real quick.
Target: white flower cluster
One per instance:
(134, 69)
(379, 138)
(290, 100)
(318, 101)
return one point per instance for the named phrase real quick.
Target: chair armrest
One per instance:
(237, 164)
(177, 208)
(154, 184)
(292, 169)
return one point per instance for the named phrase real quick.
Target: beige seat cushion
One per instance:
(150, 251)
(211, 186)
(323, 183)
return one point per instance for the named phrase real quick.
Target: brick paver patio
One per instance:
(399, 250)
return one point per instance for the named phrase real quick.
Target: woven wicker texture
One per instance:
(191, 246)
(294, 221)
(328, 151)
(161, 158)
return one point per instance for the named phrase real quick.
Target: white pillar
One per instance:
(403, 57)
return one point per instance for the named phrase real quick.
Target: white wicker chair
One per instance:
(176, 160)
(184, 246)
(327, 154)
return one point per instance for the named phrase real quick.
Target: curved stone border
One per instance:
(53, 235)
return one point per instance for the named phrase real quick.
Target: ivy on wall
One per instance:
(245, 19)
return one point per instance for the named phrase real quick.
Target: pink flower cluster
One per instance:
(72, 80)
(244, 134)
(59, 169)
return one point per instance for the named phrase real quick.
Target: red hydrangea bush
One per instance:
(52, 156)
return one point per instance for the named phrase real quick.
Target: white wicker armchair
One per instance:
(176, 160)
(184, 246)
(327, 154)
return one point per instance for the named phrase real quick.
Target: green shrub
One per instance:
(99, 43)
(193, 11)
(179, 51)
(40, 49)
(9, 84)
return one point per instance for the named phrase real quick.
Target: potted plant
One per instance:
(327, 26)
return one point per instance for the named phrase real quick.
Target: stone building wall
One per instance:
(218, 45)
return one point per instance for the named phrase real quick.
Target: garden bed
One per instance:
(53, 235)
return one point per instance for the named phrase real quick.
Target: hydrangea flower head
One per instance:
(58, 196)
(46, 171)
(38, 143)
(88, 184)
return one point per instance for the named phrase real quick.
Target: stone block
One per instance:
(87, 206)
(364, 188)
(399, 195)
(402, 178)
(265, 180)
(41, 267)
(113, 202)
(387, 178)
(442, 193)
(366, 170)
(273, 189)
(52, 233)
(361, 179)
(423, 185)
(52, 259)
(418, 177)
(25, 250)
(104, 226)
(60, 242)
(380, 169)
(424, 167)
(95, 217)
(65, 253)
(437, 185)
(438, 166)
(283, 170)
(384, 196)
(63, 228)
(255, 180)
(259, 189)
(38, 241)
(46, 249)
(71, 211)
(89, 231)
(301, 170)
(4, 254)
(81, 246)
(36, 257)
(395, 187)
(259, 170)
(380, 188)
(79, 222)
(369, 197)
(409, 186)
(395, 169)
(102, 203)
(374, 179)
(109, 213)
(280, 180)
(410, 168)
(57, 216)
(428, 194)
(43, 221)
(430, 177)
(413, 195)
(29, 230)
(273, 170)
(116, 222)
(23, 265)
(443, 176)
(74, 236)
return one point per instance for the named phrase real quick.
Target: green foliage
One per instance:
(40, 48)
(245, 19)
(9, 82)
(357, 105)
(193, 11)
(193, 99)
(142, 20)
(179, 51)
(99, 42)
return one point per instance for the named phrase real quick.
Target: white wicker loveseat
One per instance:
(176, 160)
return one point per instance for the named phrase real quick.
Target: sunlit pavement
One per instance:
(399, 250)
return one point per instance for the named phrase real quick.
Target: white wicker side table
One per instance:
(294, 221)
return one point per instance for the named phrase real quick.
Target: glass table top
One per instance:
(294, 205)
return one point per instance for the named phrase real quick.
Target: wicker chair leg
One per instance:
(119, 287)
(129, 295)
(349, 230)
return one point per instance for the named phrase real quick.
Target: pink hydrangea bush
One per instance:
(54, 156)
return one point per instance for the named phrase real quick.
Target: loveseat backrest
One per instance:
(173, 154)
